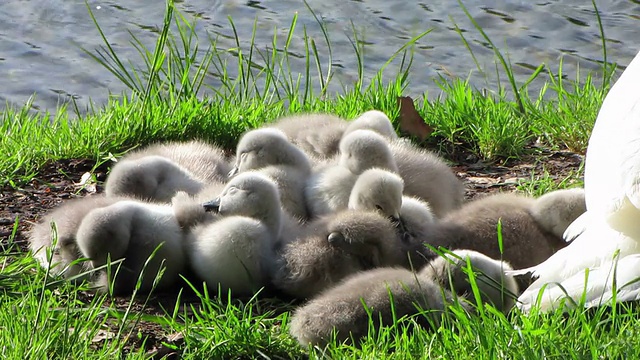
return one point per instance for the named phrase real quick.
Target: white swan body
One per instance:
(612, 194)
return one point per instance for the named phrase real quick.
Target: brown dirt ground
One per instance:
(58, 182)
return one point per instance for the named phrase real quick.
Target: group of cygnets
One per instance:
(314, 207)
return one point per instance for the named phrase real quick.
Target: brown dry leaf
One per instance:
(410, 121)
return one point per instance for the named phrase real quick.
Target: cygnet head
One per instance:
(106, 232)
(373, 120)
(365, 234)
(494, 284)
(365, 149)
(267, 146)
(249, 194)
(554, 211)
(378, 190)
(150, 178)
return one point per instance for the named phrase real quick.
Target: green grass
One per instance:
(41, 317)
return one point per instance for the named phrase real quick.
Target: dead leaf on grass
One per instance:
(410, 120)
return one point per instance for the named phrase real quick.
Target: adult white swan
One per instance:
(612, 194)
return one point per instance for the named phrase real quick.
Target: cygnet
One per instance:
(388, 294)
(365, 149)
(332, 248)
(556, 210)
(475, 226)
(495, 286)
(329, 188)
(316, 134)
(67, 218)
(373, 120)
(391, 293)
(381, 190)
(236, 251)
(159, 171)
(427, 177)
(133, 230)
(268, 151)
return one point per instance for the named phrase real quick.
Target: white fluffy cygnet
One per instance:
(381, 190)
(61, 257)
(133, 230)
(235, 252)
(374, 120)
(269, 151)
(329, 188)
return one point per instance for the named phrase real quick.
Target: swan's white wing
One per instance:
(627, 286)
(594, 288)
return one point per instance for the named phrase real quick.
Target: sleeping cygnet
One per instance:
(332, 248)
(268, 151)
(391, 293)
(341, 309)
(159, 171)
(64, 252)
(329, 188)
(427, 177)
(236, 251)
(381, 190)
(555, 210)
(133, 230)
(495, 286)
(475, 226)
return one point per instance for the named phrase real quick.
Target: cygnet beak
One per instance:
(335, 237)
(233, 172)
(400, 227)
(213, 205)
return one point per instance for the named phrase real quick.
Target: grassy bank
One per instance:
(42, 317)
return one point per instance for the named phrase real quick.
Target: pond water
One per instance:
(41, 41)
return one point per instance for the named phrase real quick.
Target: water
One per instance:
(41, 40)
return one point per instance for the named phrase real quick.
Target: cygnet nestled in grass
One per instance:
(475, 226)
(133, 230)
(67, 218)
(391, 293)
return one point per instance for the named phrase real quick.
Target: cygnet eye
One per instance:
(232, 190)
(378, 207)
